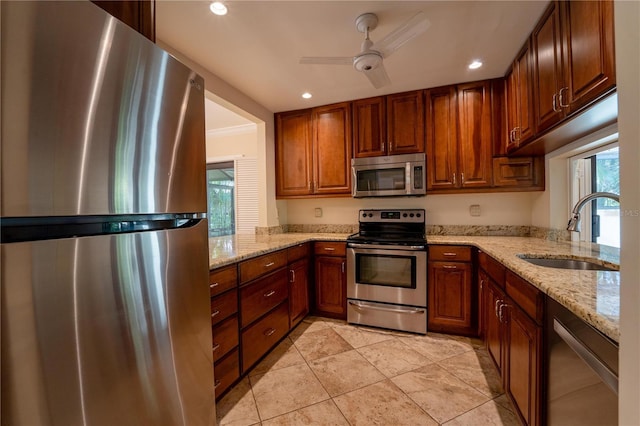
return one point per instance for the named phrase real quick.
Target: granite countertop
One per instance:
(593, 296)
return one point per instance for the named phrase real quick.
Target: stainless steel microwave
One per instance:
(389, 176)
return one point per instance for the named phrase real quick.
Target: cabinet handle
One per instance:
(461, 178)
(454, 180)
(343, 267)
(495, 307)
(449, 267)
(481, 283)
(216, 347)
(500, 311)
(270, 264)
(213, 314)
(293, 276)
(449, 254)
(382, 148)
(216, 384)
(560, 97)
(214, 285)
(268, 332)
(330, 248)
(554, 103)
(269, 293)
(517, 134)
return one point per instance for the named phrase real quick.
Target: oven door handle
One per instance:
(380, 308)
(385, 246)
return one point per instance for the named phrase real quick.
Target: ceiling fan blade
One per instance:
(378, 77)
(327, 60)
(410, 29)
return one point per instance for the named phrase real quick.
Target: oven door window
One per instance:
(381, 179)
(386, 270)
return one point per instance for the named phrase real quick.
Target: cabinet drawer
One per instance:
(254, 268)
(223, 279)
(225, 372)
(260, 296)
(450, 253)
(223, 306)
(298, 252)
(225, 337)
(492, 267)
(263, 335)
(330, 248)
(529, 298)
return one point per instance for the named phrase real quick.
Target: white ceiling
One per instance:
(256, 47)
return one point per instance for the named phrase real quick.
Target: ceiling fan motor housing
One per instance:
(367, 61)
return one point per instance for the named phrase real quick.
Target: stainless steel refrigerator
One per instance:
(105, 316)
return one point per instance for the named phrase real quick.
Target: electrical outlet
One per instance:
(474, 210)
(318, 212)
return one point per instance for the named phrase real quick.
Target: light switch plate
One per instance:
(474, 210)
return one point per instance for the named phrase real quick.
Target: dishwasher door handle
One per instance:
(601, 369)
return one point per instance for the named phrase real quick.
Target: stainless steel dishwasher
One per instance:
(582, 373)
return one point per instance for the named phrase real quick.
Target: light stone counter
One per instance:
(593, 296)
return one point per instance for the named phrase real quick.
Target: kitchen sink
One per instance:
(563, 263)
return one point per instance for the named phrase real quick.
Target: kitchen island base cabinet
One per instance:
(330, 280)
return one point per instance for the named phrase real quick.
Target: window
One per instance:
(598, 171)
(221, 199)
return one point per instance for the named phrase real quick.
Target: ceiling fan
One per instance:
(370, 59)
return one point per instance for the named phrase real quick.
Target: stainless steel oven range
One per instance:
(387, 270)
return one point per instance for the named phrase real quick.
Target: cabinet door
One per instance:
(405, 123)
(547, 69)
(525, 129)
(298, 291)
(369, 127)
(442, 141)
(331, 289)
(512, 109)
(332, 149)
(451, 298)
(293, 153)
(493, 327)
(138, 14)
(589, 55)
(518, 172)
(523, 363)
(474, 134)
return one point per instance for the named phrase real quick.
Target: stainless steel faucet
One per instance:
(574, 221)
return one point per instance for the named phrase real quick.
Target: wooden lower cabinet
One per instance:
(226, 371)
(224, 337)
(331, 286)
(523, 369)
(450, 299)
(512, 329)
(298, 291)
(264, 334)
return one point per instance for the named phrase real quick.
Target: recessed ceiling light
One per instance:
(475, 64)
(218, 8)
(307, 95)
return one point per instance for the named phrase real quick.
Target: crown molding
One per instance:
(234, 130)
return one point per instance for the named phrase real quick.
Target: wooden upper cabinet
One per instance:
(442, 139)
(459, 136)
(138, 14)
(474, 134)
(293, 153)
(369, 127)
(589, 51)
(332, 149)
(313, 151)
(520, 122)
(405, 123)
(573, 58)
(547, 71)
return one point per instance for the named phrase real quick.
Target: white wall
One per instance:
(450, 209)
(229, 144)
(627, 16)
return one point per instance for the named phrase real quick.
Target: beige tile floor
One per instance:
(327, 372)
